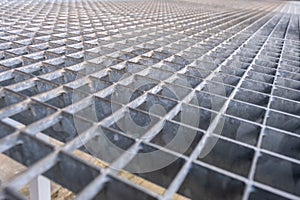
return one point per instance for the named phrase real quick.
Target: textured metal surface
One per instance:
(236, 65)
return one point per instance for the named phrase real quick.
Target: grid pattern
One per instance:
(237, 66)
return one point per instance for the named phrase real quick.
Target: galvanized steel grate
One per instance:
(200, 99)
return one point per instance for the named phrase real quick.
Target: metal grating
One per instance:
(199, 98)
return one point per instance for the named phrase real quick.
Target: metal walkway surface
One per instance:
(167, 99)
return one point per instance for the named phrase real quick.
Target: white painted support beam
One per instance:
(40, 188)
